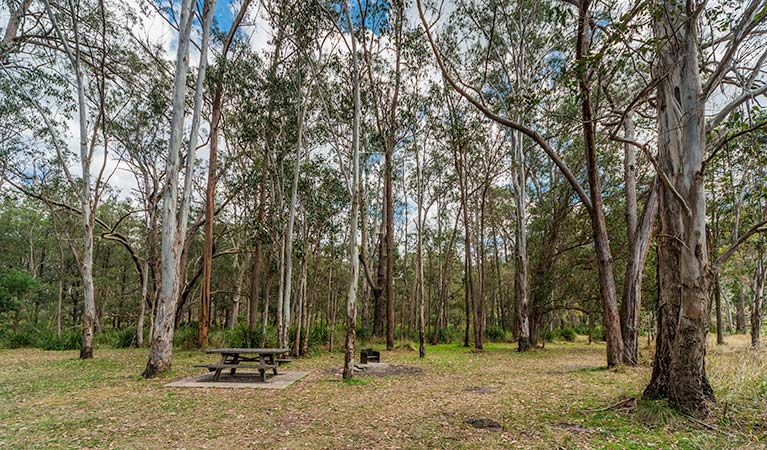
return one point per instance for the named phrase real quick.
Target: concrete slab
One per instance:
(245, 380)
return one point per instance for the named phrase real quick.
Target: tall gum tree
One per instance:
(175, 218)
(679, 370)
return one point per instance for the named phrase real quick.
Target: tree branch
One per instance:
(529, 132)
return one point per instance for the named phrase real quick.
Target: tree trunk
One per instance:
(610, 315)
(521, 260)
(142, 305)
(718, 298)
(419, 256)
(265, 314)
(210, 197)
(639, 235)
(389, 220)
(354, 260)
(291, 219)
(86, 205)
(757, 301)
(740, 312)
(679, 371)
(255, 279)
(240, 276)
(173, 232)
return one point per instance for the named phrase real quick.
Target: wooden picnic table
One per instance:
(233, 359)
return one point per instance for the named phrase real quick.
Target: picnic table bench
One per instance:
(233, 359)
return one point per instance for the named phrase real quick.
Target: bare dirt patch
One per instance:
(380, 370)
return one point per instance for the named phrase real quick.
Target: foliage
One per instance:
(496, 333)
(125, 338)
(14, 286)
(69, 340)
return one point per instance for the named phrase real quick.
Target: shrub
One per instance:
(69, 340)
(239, 336)
(567, 334)
(125, 338)
(185, 337)
(495, 334)
(363, 333)
(17, 339)
(598, 334)
(551, 335)
(443, 336)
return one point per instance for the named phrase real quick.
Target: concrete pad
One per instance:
(244, 380)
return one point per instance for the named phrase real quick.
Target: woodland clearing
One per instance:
(561, 396)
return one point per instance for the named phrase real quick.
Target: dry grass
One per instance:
(552, 398)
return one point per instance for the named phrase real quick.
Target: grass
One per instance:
(553, 398)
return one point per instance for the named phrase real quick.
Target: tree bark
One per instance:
(610, 315)
(718, 298)
(757, 301)
(679, 371)
(740, 311)
(174, 221)
(210, 194)
(521, 266)
(354, 260)
(639, 234)
(234, 314)
(291, 220)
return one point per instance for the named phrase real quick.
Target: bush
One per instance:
(495, 334)
(69, 340)
(567, 334)
(17, 339)
(551, 335)
(125, 338)
(185, 337)
(239, 336)
(598, 334)
(443, 336)
(363, 333)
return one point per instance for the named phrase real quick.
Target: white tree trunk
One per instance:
(354, 260)
(291, 221)
(86, 262)
(174, 220)
(679, 370)
(522, 262)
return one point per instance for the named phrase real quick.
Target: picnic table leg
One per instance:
(262, 375)
(235, 360)
(271, 361)
(217, 375)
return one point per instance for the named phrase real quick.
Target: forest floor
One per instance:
(558, 397)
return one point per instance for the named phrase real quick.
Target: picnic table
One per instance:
(233, 359)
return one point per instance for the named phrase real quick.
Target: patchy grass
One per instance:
(560, 397)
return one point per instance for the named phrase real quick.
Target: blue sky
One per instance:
(223, 14)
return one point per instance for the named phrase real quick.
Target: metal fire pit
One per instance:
(369, 355)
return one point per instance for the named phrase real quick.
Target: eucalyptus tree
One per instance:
(381, 43)
(84, 35)
(217, 100)
(354, 192)
(682, 95)
(174, 216)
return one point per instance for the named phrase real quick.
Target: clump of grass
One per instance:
(69, 340)
(739, 377)
(657, 413)
(408, 346)
(354, 381)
